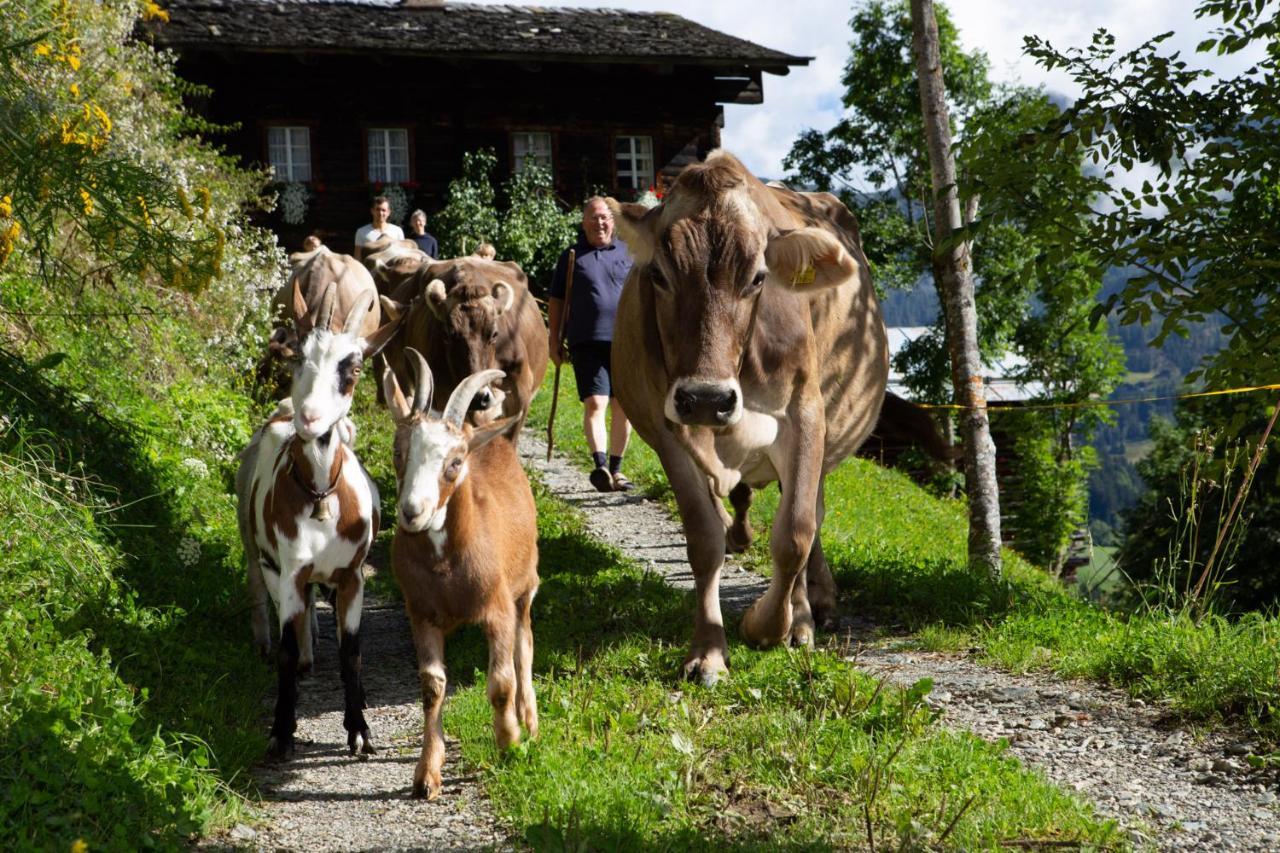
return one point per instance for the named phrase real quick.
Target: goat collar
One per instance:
(321, 510)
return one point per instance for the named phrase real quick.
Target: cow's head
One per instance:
(326, 364)
(470, 298)
(431, 452)
(707, 252)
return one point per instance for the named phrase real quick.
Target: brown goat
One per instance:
(465, 552)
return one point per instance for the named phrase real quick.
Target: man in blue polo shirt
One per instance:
(599, 271)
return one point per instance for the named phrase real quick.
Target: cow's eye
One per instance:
(756, 281)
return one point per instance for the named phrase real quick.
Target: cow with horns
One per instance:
(308, 510)
(465, 552)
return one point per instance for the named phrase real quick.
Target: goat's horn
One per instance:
(300, 310)
(324, 315)
(424, 385)
(460, 399)
(359, 311)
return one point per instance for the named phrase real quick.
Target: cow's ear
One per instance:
(391, 392)
(391, 308)
(635, 224)
(381, 337)
(436, 296)
(503, 295)
(808, 259)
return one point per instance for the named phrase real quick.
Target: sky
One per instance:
(761, 135)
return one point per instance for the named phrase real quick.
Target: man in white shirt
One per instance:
(379, 228)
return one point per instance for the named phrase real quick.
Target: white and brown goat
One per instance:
(465, 552)
(308, 510)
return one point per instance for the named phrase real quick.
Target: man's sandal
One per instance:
(621, 483)
(601, 481)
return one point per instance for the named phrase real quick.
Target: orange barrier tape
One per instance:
(1084, 404)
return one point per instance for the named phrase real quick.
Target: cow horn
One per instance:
(324, 316)
(355, 319)
(424, 384)
(460, 400)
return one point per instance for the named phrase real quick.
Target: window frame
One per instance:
(290, 127)
(531, 132)
(407, 130)
(653, 160)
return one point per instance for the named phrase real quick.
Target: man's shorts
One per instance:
(591, 368)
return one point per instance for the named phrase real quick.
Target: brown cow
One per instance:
(749, 348)
(471, 314)
(392, 262)
(314, 271)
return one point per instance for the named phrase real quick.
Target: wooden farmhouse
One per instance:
(348, 98)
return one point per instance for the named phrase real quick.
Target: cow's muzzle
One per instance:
(713, 404)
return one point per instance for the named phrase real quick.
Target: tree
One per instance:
(1020, 304)
(532, 228)
(954, 275)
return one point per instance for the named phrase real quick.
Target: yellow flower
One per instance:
(7, 240)
(146, 214)
(103, 119)
(43, 49)
(152, 12)
(73, 61)
(187, 210)
(87, 200)
(6, 206)
(74, 88)
(79, 846)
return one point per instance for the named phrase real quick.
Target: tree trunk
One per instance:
(954, 276)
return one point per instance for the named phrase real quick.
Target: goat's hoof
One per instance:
(424, 790)
(263, 650)
(280, 747)
(360, 742)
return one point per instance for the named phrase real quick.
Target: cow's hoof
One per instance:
(706, 669)
(279, 747)
(762, 632)
(801, 636)
(738, 539)
(360, 742)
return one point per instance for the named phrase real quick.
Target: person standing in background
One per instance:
(600, 267)
(418, 234)
(380, 228)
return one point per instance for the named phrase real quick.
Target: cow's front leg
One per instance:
(768, 621)
(704, 533)
(820, 585)
(350, 603)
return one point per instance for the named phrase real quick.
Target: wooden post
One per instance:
(954, 276)
(559, 344)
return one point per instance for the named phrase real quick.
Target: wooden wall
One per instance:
(450, 108)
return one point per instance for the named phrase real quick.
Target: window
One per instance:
(634, 159)
(529, 148)
(289, 152)
(388, 155)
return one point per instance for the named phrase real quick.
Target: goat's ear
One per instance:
(396, 402)
(808, 259)
(436, 297)
(283, 343)
(636, 224)
(478, 437)
(503, 294)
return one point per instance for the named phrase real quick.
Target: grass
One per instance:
(128, 701)
(899, 555)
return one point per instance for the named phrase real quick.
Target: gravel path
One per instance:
(1171, 789)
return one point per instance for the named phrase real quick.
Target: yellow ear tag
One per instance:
(804, 276)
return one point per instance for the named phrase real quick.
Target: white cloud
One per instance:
(810, 96)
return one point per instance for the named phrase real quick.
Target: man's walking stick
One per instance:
(564, 328)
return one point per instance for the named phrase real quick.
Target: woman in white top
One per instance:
(379, 228)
